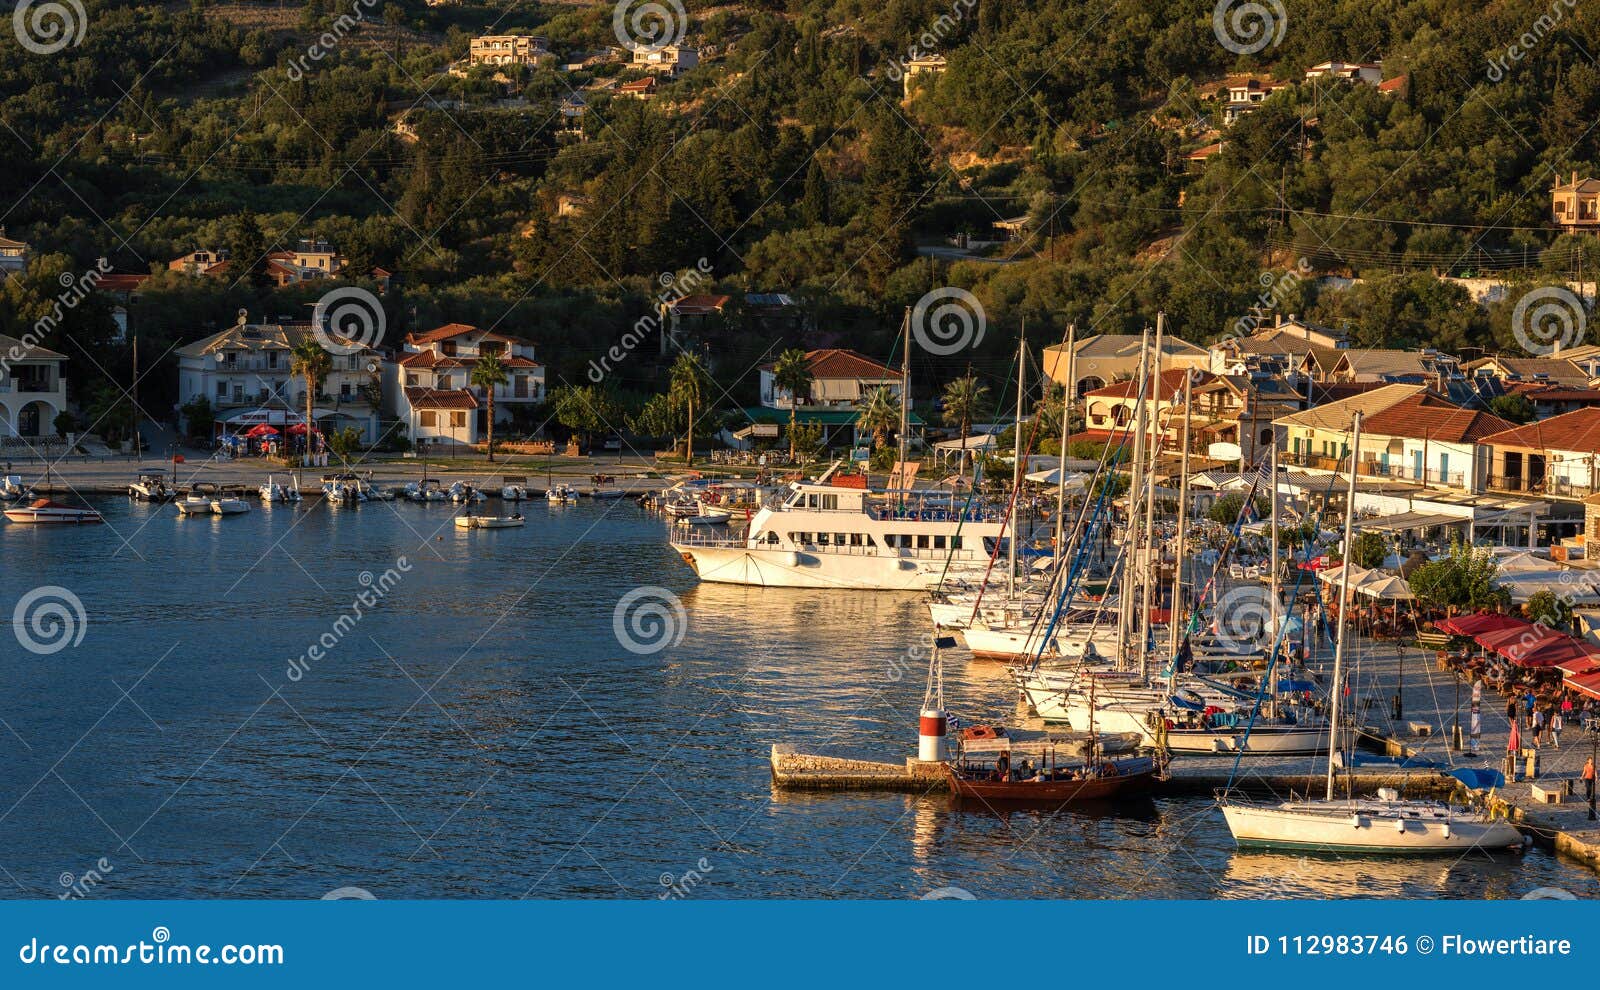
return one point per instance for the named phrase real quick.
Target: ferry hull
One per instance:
(1351, 831)
(800, 569)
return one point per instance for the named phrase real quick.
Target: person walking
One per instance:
(1557, 723)
(1588, 779)
(1511, 711)
(1537, 724)
(1476, 732)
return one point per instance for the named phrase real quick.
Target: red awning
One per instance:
(1522, 632)
(1587, 664)
(1479, 622)
(1588, 684)
(1549, 653)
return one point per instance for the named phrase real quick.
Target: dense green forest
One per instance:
(790, 162)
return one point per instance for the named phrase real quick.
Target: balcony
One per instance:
(1546, 485)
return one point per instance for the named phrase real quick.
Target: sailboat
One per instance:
(1386, 824)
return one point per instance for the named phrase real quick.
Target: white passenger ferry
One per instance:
(825, 534)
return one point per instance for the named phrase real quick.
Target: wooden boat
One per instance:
(45, 511)
(488, 522)
(1096, 780)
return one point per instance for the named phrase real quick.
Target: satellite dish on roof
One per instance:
(1223, 450)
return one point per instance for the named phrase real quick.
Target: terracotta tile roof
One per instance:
(1549, 392)
(120, 283)
(1433, 417)
(451, 330)
(19, 350)
(1578, 430)
(1560, 370)
(699, 304)
(835, 362)
(1171, 384)
(440, 398)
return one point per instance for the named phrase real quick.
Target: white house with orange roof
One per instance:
(839, 378)
(429, 382)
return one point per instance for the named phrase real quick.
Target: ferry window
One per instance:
(867, 538)
(855, 539)
(811, 501)
(955, 543)
(772, 537)
(938, 543)
(830, 501)
(822, 539)
(838, 539)
(922, 543)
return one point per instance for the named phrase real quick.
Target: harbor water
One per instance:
(301, 701)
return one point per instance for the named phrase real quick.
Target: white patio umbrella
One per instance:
(1389, 587)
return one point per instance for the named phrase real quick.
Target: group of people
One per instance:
(1543, 720)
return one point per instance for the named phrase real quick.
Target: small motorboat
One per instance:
(461, 493)
(342, 490)
(427, 491)
(709, 517)
(470, 521)
(230, 502)
(604, 493)
(44, 510)
(562, 493)
(13, 490)
(197, 500)
(1100, 779)
(272, 492)
(514, 493)
(150, 486)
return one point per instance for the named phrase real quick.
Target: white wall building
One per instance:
(32, 392)
(429, 384)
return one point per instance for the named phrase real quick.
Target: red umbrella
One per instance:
(298, 429)
(1523, 633)
(262, 430)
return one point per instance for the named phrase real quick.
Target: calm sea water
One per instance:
(480, 732)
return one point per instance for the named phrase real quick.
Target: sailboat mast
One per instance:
(1344, 602)
(1183, 516)
(905, 400)
(1276, 591)
(1061, 467)
(1130, 542)
(1148, 568)
(1016, 462)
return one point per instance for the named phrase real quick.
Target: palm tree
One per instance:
(687, 385)
(489, 374)
(312, 363)
(792, 373)
(880, 414)
(962, 399)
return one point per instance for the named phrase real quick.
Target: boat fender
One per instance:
(1445, 830)
(1355, 821)
(1399, 824)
